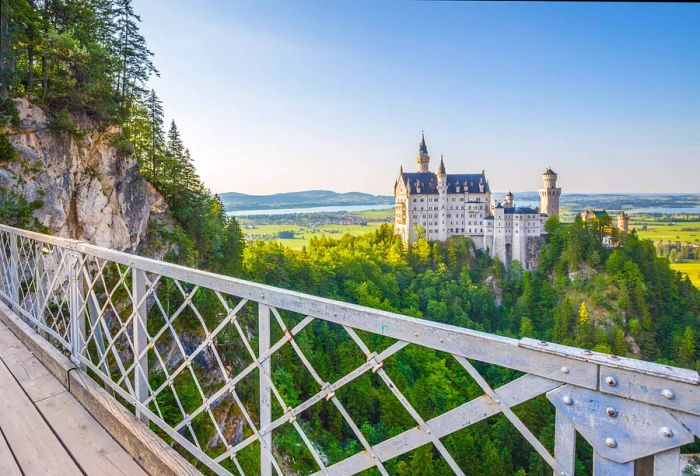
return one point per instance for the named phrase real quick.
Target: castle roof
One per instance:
(522, 210)
(549, 172)
(597, 213)
(427, 182)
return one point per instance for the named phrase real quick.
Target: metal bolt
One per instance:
(610, 380)
(666, 432)
(610, 442)
(668, 394)
(567, 400)
(564, 370)
(611, 412)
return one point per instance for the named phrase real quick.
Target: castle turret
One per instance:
(423, 159)
(623, 222)
(509, 203)
(442, 200)
(441, 174)
(549, 195)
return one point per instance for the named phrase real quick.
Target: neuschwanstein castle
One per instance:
(440, 205)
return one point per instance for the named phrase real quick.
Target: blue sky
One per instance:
(285, 96)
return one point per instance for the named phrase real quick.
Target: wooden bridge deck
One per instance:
(44, 430)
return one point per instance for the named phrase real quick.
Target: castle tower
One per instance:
(442, 200)
(623, 222)
(549, 195)
(423, 159)
(509, 203)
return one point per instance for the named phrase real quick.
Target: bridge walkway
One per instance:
(44, 430)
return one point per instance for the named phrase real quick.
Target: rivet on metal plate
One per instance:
(610, 442)
(567, 400)
(611, 412)
(610, 380)
(668, 394)
(666, 432)
(565, 370)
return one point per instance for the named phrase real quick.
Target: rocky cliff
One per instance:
(86, 189)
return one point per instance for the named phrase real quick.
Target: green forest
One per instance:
(86, 62)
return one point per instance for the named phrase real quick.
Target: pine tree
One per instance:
(135, 65)
(686, 349)
(156, 139)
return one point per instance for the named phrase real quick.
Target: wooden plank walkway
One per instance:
(43, 429)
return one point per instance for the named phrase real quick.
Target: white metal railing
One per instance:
(120, 317)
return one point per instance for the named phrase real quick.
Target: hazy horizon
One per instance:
(515, 192)
(274, 97)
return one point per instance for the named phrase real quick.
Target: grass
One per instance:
(664, 231)
(304, 234)
(691, 269)
(669, 232)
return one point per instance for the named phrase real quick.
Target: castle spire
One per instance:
(423, 159)
(441, 168)
(422, 148)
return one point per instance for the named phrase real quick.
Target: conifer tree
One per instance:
(135, 65)
(156, 139)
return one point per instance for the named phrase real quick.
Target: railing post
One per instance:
(14, 270)
(39, 287)
(265, 394)
(75, 306)
(141, 388)
(605, 467)
(564, 444)
(668, 463)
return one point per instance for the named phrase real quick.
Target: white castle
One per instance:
(437, 206)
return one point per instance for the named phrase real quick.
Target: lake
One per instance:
(291, 211)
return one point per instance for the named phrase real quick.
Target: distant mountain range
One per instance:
(234, 201)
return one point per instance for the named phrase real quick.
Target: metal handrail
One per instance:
(94, 303)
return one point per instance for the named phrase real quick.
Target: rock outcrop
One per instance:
(89, 192)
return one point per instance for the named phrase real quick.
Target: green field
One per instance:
(691, 269)
(669, 232)
(687, 232)
(304, 234)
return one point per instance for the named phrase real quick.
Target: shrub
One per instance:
(62, 123)
(7, 150)
(8, 112)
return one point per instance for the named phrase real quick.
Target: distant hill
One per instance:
(234, 201)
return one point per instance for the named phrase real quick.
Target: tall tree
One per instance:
(156, 138)
(135, 64)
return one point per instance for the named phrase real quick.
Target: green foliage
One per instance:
(7, 151)
(8, 112)
(82, 57)
(61, 122)
(16, 211)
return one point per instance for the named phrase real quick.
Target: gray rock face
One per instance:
(89, 192)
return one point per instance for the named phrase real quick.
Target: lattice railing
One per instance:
(192, 353)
